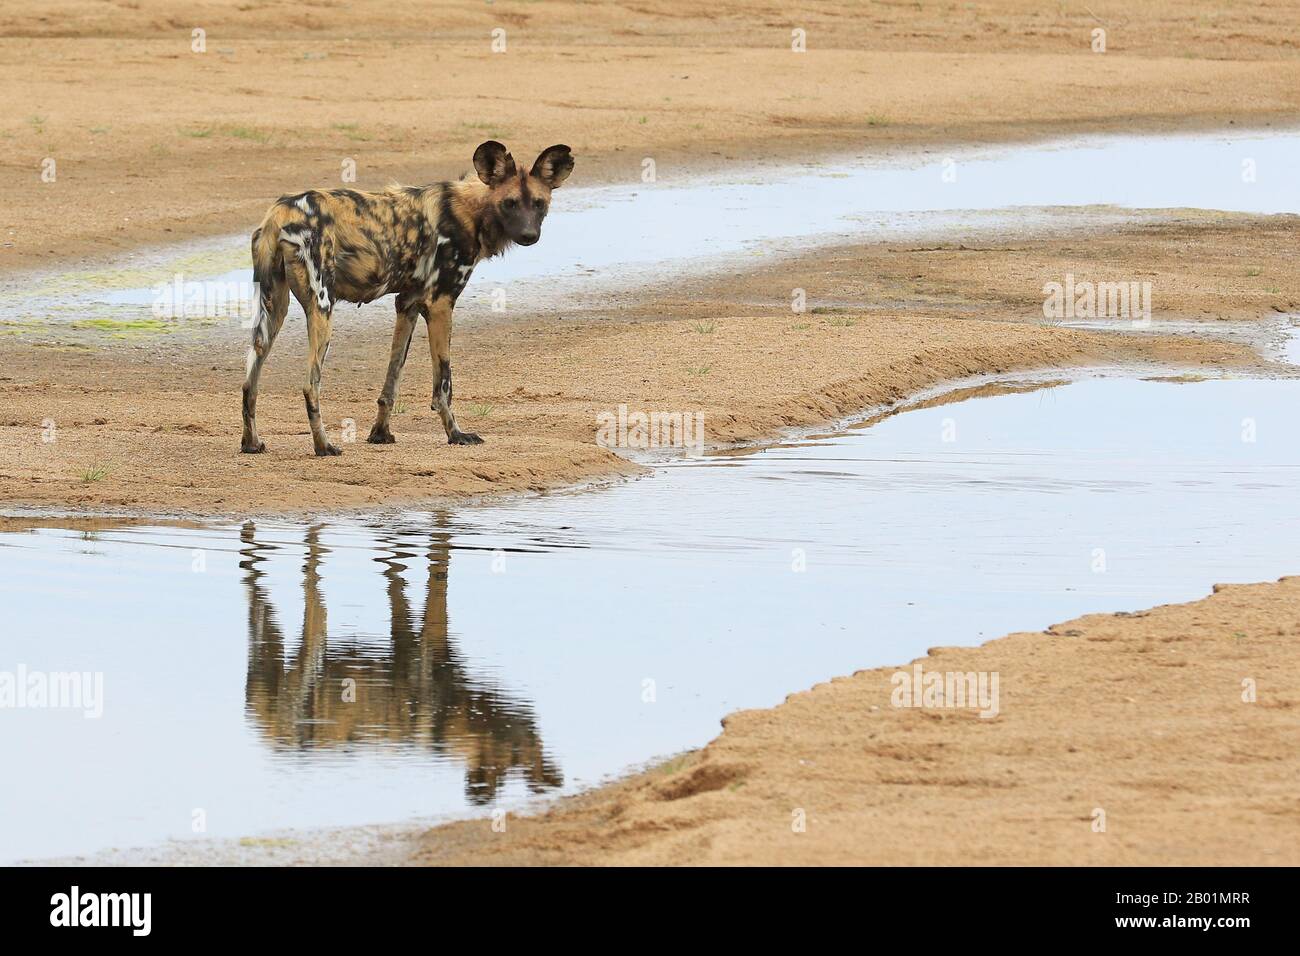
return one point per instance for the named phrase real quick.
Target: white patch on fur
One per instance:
(249, 361)
(424, 267)
(442, 405)
(299, 240)
(303, 204)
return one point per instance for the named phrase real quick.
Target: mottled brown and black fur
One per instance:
(420, 243)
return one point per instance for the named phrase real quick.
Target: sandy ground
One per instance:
(1134, 722)
(152, 141)
(907, 318)
(1138, 716)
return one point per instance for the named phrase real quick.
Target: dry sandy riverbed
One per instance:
(153, 142)
(150, 423)
(1139, 715)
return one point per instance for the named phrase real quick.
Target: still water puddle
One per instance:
(616, 236)
(269, 675)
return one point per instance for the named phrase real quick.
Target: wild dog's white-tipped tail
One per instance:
(268, 274)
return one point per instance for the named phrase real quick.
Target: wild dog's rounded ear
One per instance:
(554, 165)
(493, 163)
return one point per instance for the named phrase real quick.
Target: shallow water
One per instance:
(504, 651)
(615, 236)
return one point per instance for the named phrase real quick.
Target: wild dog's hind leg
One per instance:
(438, 316)
(311, 277)
(407, 311)
(272, 307)
(317, 306)
(318, 346)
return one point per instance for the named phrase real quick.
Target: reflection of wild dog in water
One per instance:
(416, 690)
(419, 242)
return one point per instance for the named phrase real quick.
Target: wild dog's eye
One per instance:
(510, 203)
(539, 204)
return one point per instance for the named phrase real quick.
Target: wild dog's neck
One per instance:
(477, 216)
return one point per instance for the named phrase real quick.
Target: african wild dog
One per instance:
(420, 242)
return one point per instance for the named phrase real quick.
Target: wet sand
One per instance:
(1131, 722)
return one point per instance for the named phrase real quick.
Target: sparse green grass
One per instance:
(800, 327)
(248, 133)
(95, 473)
(672, 766)
(267, 841)
(842, 322)
(9, 327)
(642, 121)
(480, 409)
(98, 130)
(1253, 271)
(705, 328)
(352, 131)
(699, 371)
(876, 120)
(37, 122)
(124, 325)
(198, 133)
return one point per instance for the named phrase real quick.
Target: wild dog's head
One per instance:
(518, 200)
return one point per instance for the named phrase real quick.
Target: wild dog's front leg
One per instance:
(407, 310)
(439, 320)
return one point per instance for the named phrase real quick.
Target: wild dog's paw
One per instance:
(253, 447)
(381, 436)
(328, 451)
(463, 438)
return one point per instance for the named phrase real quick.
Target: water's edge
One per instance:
(384, 842)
